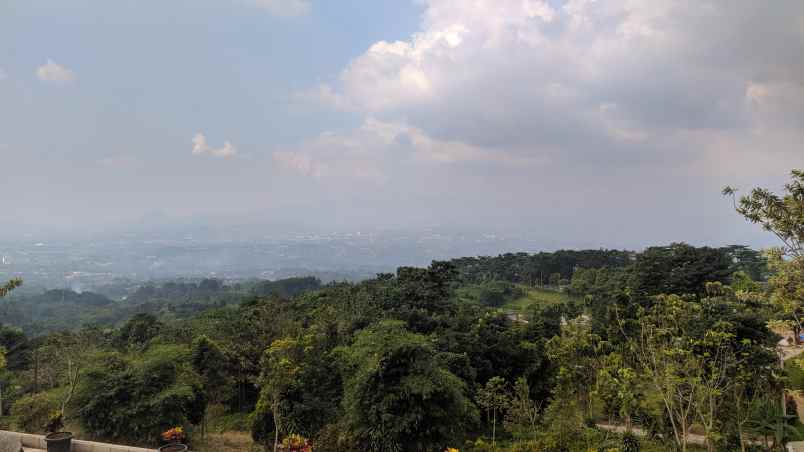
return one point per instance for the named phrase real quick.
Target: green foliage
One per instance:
(494, 398)
(493, 293)
(538, 297)
(287, 288)
(138, 331)
(782, 215)
(751, 262)
(522, 417)
(742, 282)
(535, 269)
(617, 387)
(281, 365)
(795, 374)
(575, 354)
(680, 269)
(787, 288)
(397, 397)
(32, 412)
(138, 397)
(56, 310)
(207, 359)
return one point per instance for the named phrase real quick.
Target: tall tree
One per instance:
(397, 395)
(494, 398)
(281, 363)
(522, 417)
(783, 215)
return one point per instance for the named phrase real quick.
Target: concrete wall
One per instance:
(38, 442)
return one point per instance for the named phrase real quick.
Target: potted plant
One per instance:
(174, 439)
(56, 439)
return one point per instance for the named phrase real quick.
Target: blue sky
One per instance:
(523, 115)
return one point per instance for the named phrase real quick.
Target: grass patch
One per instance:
(537, 296)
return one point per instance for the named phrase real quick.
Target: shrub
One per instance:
(137, 399)
(34, 411)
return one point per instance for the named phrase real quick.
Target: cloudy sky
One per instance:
(596, 123)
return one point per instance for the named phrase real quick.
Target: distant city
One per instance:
(86, 264)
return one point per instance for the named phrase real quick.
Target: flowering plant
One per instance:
(174, 435)
(296, 443)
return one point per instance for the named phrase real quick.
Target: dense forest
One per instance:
(60, 309)
(670, 348)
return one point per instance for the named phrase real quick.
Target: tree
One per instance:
(9, 286)
(617, 388)
(207, 360)
(575, 353)
(782, 215)
(138, 331)
(680, 269)
(693, 352)
(522, 416)
(495, 399)
(136, 397)
(281, 363)
(664, 364)
(397, 395)
(65, 356)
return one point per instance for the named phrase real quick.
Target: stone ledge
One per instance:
(38, 442)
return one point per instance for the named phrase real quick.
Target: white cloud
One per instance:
(524, 76)
(283, 8)
(201, 147)
(54, 72)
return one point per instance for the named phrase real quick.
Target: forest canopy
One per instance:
(670, 348)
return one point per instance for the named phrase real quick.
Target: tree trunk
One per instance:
(684, 438)
(742, 440)
(275, 413)
(494, 430)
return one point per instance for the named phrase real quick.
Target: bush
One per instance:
(34, 411)
(137, 399)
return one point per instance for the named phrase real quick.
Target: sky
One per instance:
(595, 123)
